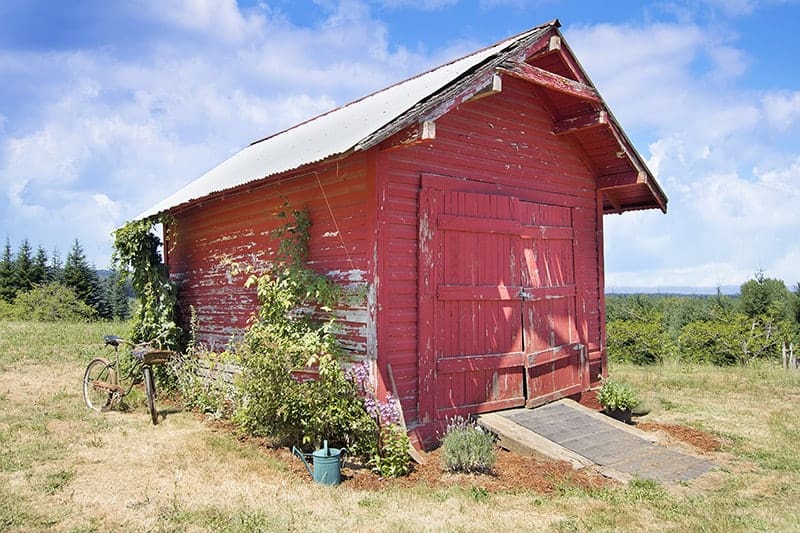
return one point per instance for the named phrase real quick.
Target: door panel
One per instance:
(479, 353)
(554, 353)
(497, 303)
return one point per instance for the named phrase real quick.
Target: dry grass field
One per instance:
(65, 468)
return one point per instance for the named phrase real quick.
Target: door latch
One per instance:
(524, 295)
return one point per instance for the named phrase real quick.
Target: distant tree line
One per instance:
(40, 286)
(722, 330)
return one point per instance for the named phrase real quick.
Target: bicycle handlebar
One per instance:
(115, 341)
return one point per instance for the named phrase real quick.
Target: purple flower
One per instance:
(371, 406)
(359, 373)
(388, 412)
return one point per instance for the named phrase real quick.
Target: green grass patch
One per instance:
(54, 342)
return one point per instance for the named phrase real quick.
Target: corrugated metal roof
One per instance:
(357, 125)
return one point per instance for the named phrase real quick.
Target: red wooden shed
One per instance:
(467, 203)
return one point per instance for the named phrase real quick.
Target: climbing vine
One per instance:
(137, 256)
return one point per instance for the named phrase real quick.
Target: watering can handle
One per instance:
(300, 454)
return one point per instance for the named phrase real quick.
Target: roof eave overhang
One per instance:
(638, 188)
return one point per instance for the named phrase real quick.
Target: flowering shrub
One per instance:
(390, 456)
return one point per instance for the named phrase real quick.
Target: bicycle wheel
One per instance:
(98, 384)
(150, 391)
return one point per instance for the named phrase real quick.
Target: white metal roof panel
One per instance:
(328, 135)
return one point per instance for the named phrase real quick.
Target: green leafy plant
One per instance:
(204, 378)
(614, 395)
(293, 331)
(203, 384)
(467, 447)
(52, 303)
(391, 459)
(137, 258)
(292, 411)
(640, 343)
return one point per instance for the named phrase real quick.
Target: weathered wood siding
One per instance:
(236, 227)
(503, 143)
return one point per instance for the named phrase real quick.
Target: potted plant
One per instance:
(618, 400)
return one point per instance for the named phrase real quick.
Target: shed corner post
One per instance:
(430, 201)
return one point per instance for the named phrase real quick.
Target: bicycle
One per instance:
(101, 382)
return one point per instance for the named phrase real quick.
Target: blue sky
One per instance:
(107, 106)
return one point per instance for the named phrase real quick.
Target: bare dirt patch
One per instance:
(697, 438)
(30, 383)
(510, 472)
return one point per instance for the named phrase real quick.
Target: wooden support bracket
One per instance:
(493, 87)
(551, 81)
(621, 180)
(580, 122)
(414, 134)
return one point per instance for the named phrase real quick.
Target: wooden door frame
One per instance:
(430, 253)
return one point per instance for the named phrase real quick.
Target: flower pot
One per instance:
(623, 415)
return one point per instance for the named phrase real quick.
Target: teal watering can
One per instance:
(327, 464)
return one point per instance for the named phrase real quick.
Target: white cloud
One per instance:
(220, 18)
(732, 192)
(113, 132)
(733, 7)
(782, 108)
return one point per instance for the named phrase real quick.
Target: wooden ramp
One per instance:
(568, 431)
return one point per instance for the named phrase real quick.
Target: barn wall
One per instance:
(503, 139)
(236, 227)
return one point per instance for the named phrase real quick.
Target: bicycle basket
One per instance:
(156, 357)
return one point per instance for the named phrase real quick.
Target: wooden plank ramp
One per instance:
(567, 431)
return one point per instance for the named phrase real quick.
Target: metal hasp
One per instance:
(327, 464)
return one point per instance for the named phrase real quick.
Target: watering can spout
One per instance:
(300, 454)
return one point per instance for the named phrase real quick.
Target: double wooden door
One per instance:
(498, 303)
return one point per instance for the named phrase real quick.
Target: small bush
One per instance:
(276, 405)
(211, 394)
(467, 447)
(640, 343)
(717, 343)
(614, 395)
(52, 303)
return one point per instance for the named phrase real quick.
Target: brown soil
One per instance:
(510, 472)
(697, 438)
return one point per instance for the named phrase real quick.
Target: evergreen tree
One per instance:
(39, 275)
(7, 286)
(116, 293)
(103, 305)
(81, 277)
(55, 272)
(23, 264)
(763, 296)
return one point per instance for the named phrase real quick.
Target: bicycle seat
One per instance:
(112, 340)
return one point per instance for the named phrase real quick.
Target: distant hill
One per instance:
(730, 290)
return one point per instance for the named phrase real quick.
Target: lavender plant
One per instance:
(467, 447)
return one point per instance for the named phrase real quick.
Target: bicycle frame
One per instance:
(132, 371)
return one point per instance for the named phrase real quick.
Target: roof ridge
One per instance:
(510, 40)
